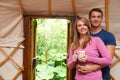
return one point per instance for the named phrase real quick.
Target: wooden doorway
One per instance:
(30, 47)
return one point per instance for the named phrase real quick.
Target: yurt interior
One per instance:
(18, 36)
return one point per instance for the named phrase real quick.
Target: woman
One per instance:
(93, 48)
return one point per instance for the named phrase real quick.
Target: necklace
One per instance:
(81, 41)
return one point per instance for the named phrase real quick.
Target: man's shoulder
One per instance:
(109, 38)
(107, 33)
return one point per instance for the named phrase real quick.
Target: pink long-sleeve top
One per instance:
(94, 50)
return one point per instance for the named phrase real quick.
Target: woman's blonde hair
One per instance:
(76, 43)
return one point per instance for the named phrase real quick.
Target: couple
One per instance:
(99, 47)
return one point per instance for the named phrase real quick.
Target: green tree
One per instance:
(51, 49)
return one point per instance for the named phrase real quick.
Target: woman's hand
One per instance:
(83, 59)
(74, 57)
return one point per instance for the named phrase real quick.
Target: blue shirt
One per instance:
(108, 39)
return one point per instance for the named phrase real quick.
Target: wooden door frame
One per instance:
(28, 50)
(29, 43)
(70, 72)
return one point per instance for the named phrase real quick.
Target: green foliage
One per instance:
(51, 49)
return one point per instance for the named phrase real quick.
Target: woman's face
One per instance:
(82, 28)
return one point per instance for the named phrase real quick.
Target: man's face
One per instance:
(96, 19)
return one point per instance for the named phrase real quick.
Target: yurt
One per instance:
(17, 36)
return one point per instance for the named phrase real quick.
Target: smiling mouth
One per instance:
(95, 23)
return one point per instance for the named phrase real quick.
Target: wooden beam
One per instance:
(48, 16)
(28, 50)
(19, 2)
(1, 78)
(107, 14)
(73, 7)
(49, 7)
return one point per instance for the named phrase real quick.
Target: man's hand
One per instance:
(87, 68)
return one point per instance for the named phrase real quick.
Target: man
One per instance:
(96, 17)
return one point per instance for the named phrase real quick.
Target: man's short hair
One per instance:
(96, 10)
